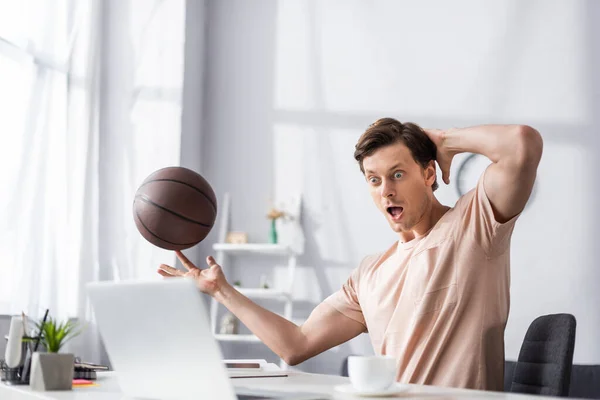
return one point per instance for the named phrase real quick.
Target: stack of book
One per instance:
(85, 370)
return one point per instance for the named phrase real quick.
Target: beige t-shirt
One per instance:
(439, 303)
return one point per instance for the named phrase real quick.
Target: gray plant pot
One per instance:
(51, 371)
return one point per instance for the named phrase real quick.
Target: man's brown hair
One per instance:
(387, 131)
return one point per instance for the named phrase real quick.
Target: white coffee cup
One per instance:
(372, 373)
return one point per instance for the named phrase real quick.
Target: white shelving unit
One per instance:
(256, 248)
(223, 252)
(237, 338)
(258, 293)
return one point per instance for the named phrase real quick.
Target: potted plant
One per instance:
(52, 370)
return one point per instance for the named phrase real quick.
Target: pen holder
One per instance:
(14, 376)
(10, 375)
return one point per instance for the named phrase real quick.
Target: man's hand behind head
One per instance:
(443, 155)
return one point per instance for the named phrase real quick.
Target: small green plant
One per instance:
(55, 334)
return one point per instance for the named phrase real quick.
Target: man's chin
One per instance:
(398, 227)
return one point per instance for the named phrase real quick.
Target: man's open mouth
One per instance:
(395, 212)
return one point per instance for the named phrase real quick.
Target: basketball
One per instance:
(174, 208)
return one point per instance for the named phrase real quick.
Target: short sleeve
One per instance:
(346, 300)
(493, 236)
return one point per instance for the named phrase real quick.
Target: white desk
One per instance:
(295, 382)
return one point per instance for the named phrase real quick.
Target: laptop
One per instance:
(160, 343)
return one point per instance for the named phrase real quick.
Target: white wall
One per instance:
(292, 84)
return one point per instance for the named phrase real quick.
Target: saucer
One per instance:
(392, 390)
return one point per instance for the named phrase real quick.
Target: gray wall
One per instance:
(238, 143)
(192, 118)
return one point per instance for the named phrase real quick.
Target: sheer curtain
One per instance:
(90, 104)
(49, 138)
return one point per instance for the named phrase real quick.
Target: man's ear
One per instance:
(430, 173)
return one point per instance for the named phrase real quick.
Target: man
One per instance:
(437, 299)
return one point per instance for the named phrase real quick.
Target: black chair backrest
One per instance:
(546, 357)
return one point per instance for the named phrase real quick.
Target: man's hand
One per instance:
(210, 281)
(444, 156)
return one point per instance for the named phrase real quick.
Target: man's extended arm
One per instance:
(325, 327)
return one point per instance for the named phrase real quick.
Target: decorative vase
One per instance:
(51, 371)
(229, 325)
(273, 232)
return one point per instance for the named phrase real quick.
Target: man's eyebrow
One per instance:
(398, 165)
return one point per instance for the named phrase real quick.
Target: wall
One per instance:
(192, 115)
(291, 85)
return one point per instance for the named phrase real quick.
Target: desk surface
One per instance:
(295, 382)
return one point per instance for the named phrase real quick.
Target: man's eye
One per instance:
(398, 175)
(373, 180)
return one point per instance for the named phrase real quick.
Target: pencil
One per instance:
(39, 337)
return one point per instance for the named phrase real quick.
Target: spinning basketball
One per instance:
(174, 208)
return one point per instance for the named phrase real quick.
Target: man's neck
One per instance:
(431, 216)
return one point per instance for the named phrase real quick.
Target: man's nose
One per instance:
(387, 190)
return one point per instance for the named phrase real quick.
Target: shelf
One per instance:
(257, 248)
(237, 338)
(258, 293)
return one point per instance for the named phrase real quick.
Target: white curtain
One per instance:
(90, 104)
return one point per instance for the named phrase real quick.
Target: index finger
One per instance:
(184, 260)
